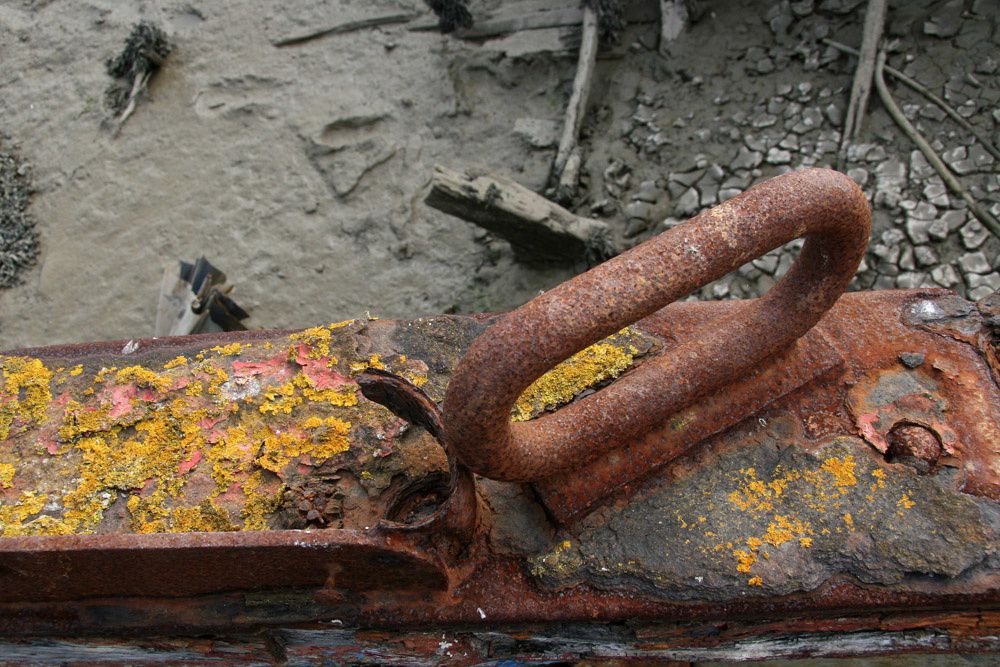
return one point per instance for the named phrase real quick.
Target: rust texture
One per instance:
(307, 482)
(822, 205)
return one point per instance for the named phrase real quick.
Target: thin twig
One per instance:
(862, 85)
(581, 92)
(137, 87)
(981, 213)
(342, 28)
(923, 90)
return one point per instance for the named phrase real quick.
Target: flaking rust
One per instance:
(308, 483)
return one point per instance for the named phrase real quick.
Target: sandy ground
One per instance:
(300, 171)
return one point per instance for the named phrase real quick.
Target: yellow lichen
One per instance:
(842, 471)
(584, 370)
(143, 377)
(905, 502)
(744, 560)
(230, 350)
(24, 393)
(317, 339)
(755, 581)
(76, 370)
(175, 362)
(7, 472)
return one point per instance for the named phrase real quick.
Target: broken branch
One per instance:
(923, 90)
(342, 28)
(981, 213)
(578, 99)
(538, 229)
(862, 85)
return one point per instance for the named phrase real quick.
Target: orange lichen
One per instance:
(230, 350)
(744, 560)
(842, 471)
(905, 502)
(755, 581)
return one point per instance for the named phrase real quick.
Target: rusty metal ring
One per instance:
(824, 206)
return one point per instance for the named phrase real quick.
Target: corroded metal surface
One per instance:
(824, 206)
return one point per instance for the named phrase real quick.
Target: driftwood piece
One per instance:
(538, 230)
(342, 28)
(862, 86)
(923, 90)
(984, 216)
(577, 105)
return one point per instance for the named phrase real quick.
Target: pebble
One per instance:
(987, 66)
(911, 359)
(635, 226)
(917, 230)
(765, 65)
(980, 292)
(725, 194)
(906, 261)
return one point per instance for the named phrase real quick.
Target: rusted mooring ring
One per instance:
(824, 206)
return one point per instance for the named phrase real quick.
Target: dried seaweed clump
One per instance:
(610, 19)
(452, 14)
(18, 237)
(145, 50)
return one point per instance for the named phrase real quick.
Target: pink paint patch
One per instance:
(866, 424)
(186, 466)
(147, 486)
(234, 494)
(180, 383)
(52, 447)
(318, 371)
(276, 364)
(209, 422)
(304, 469)
(121, 400)
(148, 395)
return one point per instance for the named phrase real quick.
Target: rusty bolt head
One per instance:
(914, 445)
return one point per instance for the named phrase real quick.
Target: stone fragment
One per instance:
(911, 359)
(917, 229)
(925, 256)
(768, 263)
(938, 230)
(988, 65)
(635, 226)
(746, 159)
(974, 262)
(906, 260)
(954, 219)
(989, 280)
(945, 275)
(811, 119)
(980, 292)
(755, 143)
(932, 112)
(947, 22)
(936, 192)
(973, 234)
(764, 65)
(725, 194)
(648, 192)
(688, 204)
(859, 175)
(638, 209)
(764, 120)
(538, 132)
(910, 279)
(920, 168)
(778, 156)
(790, 142)
(834, 114)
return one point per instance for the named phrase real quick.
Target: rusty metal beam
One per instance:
(843, 492)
